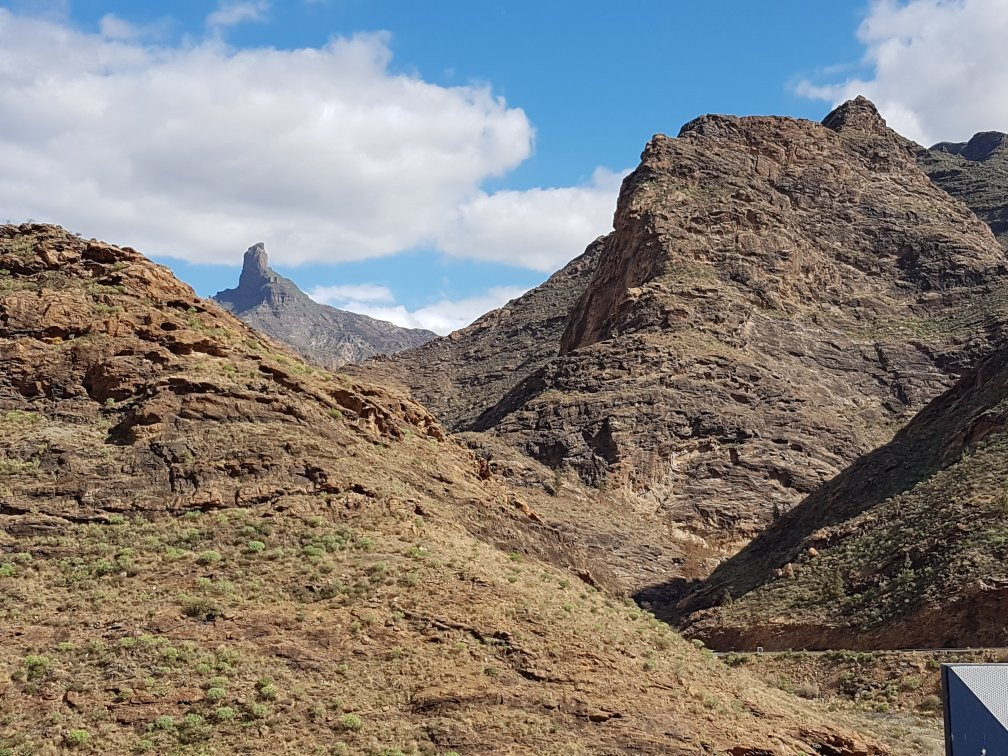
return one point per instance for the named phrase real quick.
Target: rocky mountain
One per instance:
(321, 334)
(204, 539)
(907, 548)
(463, 375)
(975, 172)
(777, 298)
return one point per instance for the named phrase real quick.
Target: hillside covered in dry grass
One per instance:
(207, 546)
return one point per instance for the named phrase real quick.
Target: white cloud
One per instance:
(114, 27)
(939, 67)
(234, 13)
(191, 151)
(441, 317)
(533, 228)
(348, 292)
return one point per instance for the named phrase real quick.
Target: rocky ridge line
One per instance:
(325, 335)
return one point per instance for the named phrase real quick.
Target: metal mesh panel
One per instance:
(989, 683)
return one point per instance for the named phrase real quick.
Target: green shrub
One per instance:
(211, 556)
(225, 714)
(77, 738)
(6, 570)
(267, 689)
(255, 546)
(36, 665)
(164, 722)
(735, 660)
(314, 552)
(351, 722)
(216, 694)
(201, 608)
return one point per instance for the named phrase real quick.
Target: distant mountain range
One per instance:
(322, 334)
(975, 172)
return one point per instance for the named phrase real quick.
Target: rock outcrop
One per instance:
(975, 172)
(905, 549)
(777, 298)
(203, 538)
(321, 334)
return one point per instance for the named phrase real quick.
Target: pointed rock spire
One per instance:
(859, 114)
(255, 267)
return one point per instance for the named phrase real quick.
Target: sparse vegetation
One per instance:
(273, 585)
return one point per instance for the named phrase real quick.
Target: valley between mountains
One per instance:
(768, 409)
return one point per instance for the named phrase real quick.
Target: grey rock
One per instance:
(322, 334)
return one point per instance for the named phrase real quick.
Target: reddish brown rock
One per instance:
(778, 296)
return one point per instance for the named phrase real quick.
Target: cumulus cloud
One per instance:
(189, 151)
(352, 292)
(442, 317)
(533, 228)
(939, 72)
(114, 27)
(234, 13)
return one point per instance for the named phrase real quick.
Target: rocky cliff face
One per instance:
(906, 548)
(324, 335)
(975, 172)
(205, 539)
(778, 296)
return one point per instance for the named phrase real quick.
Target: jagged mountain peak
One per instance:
(751, 258)
(981, 147)
(255, 265)
(859, 114)
(325, 335)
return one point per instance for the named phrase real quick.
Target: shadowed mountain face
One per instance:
(322, 334)
(205, 540)
(975, 172)
(777, 298)
(906, 548)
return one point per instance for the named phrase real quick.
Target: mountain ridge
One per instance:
(975, 172)
(777, 298)
(325, 335)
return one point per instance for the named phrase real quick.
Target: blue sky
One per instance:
(426, 161)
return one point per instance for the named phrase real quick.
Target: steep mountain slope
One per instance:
(321, 334)
(975, 172)
(778, 296)
(461, 376)
(908, 547)
(205, 541)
